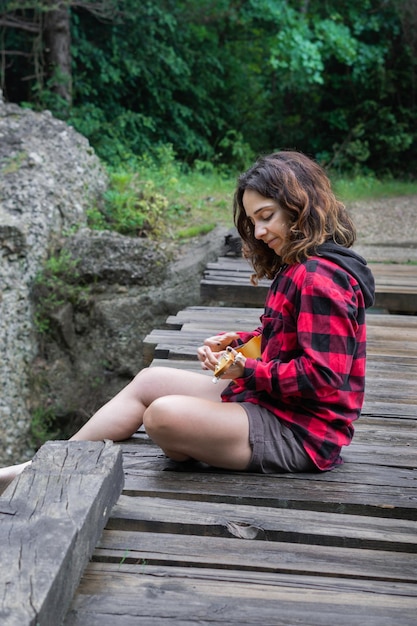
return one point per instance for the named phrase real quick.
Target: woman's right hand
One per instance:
(213, 347)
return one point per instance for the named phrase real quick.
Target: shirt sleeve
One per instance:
(244, 337)
(313, 356)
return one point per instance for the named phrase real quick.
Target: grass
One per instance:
(370, 188)
(200, 202)
(197, 202)
(198, 199)
(161, 198)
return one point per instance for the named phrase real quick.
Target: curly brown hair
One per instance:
(302, 188)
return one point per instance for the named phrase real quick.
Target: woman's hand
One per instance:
(237, 367)
(209, 360)
(220, 342)
(213, 348)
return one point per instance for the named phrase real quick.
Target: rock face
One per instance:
(49, 177)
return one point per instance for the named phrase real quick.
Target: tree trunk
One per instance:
(57, 41)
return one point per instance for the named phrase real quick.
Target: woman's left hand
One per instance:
(220, 342)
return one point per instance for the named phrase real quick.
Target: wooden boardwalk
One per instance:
(191, 545)
(227, 280)
(186, 544)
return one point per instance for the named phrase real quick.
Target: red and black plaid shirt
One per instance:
(312, 371)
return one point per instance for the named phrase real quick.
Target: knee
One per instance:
(143, 375)
(157, 418)
(145, 384)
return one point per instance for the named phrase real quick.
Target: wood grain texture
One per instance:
(51, 518)
(156, 595)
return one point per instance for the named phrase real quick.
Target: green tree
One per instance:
(223, 80)
(342, 82)
(44, 36)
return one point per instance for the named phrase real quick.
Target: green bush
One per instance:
(43, 427)
(131, 207)
(54, 286)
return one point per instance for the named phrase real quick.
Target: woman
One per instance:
(290, 409)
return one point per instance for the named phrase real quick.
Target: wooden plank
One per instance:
(230, 294)
(405, 338)
(228, 553)
(387, 277)
(388, 409)
(379, 326)
(185, 348)
(404, 273)
(142, 593)
(381, 340)
(222, 318)
(376, 361)
(381, 270)
(355, 488)
(222, 519)
(378, 448)
(50, 520)
(402, 390)
(370, 430)
(214, 319)
(228, 280)
(330, 495)
(401, 456)
(388, 486)
(373, 405)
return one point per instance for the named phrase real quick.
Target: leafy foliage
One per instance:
(131, 206)
(43, 427)
(56, 285)
(223, 80)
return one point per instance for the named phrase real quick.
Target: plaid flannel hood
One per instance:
(352, 263)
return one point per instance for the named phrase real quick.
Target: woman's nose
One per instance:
(259, 231)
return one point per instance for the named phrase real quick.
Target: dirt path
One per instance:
(387, 229)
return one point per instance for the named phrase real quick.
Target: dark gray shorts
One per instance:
(274, 447)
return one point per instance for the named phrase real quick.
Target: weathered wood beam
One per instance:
(228, 281)
(51, 518)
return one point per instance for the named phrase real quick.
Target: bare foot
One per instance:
(7, 474)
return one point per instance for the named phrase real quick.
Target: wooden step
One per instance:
(228, 281)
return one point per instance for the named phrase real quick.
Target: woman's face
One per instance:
(269, 220)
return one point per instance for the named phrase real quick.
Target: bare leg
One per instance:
(7, 474)
(186, 417)
(182, 412)
(212, 432)
(123, 414)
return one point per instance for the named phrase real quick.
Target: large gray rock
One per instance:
(116, 259)
(49, 176)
